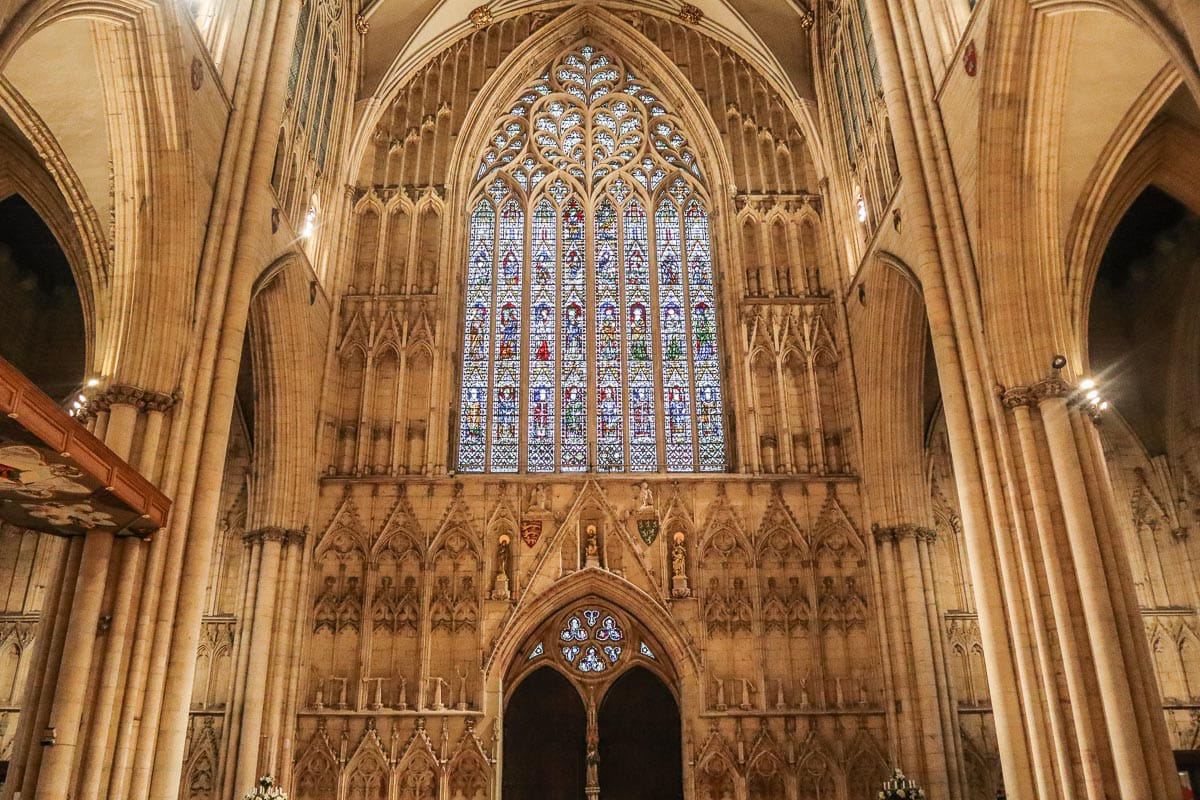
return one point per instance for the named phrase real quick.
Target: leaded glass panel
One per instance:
(590, 333)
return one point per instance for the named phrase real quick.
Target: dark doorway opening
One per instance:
(43, 332)
(544, 731)
(641, 754)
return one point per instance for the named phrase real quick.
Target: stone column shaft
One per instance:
(70, 691)
(258, 664)
(1094, 589)
(1044, 535)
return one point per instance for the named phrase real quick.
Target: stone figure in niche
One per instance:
(408, 612)
(798, 607)
(591, 549)
(854, 607)
(720, 694)
(441, 607)
(383, 604)
(716, 618)
(325, 607)
(500, 586)
(743, 608)
(775, 611)
(537, 497)
(466, 605)
(679, 580)
(349, 607)
(645, 497)
(829, 605)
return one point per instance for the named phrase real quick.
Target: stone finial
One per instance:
(362, 24)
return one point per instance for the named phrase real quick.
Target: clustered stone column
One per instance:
(1111, 700)
(927, 720)
(264, 650)
(75, 692)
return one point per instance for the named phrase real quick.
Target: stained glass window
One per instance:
(592, 640)
(590, 332)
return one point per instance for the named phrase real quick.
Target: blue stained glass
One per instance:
(710, 429)
(573, 455)
(476, 380)
(506, 378)
(676, 389)
(582, 324)
(643, 436)
(591, 661)
(543, 338)
(610, 406)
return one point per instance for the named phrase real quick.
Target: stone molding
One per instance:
(894, 533)
(1033, 394)
(272, 533)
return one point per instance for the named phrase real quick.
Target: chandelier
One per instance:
(899, 787)
(266, 790)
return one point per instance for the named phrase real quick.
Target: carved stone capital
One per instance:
(159, 401)
(894, 533)
(1016, 396)
(267, 534)
(1051, 387)
(120, 394)
(1034, 393)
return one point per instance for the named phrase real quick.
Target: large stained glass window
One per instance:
(590, 332)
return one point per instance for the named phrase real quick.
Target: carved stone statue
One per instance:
(500, 589)
(720, 694)
(537, 498)
(679, 580)
(645, 497)
(591, 549)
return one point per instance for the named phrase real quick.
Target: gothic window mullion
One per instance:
(652, 254)
(617, 267)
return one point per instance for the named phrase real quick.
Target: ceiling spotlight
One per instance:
(1058, 362)
(1087, 383)
(1093, 394)
(93, 382)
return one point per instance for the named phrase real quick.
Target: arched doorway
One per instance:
(544, 731)
(592, 712)
(639, 759)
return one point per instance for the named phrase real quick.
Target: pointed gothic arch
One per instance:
(588, 198)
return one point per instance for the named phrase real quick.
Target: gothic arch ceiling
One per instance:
(404, 32)
(71, 109)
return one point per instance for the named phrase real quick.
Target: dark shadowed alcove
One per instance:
(641, 754)
(544, 731)
(43, 332)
